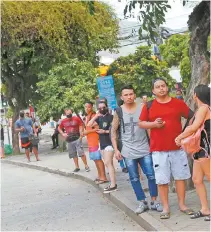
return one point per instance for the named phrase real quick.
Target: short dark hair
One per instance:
(158, 79)
(104, 102)
(179, 90)
(89, 102)
(127, 87)
(21, 114)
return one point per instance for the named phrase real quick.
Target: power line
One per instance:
(129, 27)
(141, 41)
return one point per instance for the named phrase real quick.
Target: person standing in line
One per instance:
(135, 149)
(164, 121)
(93, 144)
(55, 136)
(2, 141)
(27, 115)
(24, 126)
(73, 135)
(104, 119)
(179, 94)
(201, 164)
(144, 99)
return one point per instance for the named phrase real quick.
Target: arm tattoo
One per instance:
(114, 126)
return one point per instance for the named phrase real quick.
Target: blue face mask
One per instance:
(179, 97)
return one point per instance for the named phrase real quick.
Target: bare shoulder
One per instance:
(203, 110)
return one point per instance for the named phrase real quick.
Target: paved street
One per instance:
(36, 200)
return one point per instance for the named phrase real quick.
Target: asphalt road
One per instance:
(37, 201)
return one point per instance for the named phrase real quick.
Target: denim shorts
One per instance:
(94, 153)
(167, 163)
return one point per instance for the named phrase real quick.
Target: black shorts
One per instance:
(25, 143)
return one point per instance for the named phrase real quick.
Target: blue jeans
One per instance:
(147, 168)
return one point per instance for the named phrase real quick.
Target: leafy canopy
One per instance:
(67, 84)
(64, 26)
(139, 69)
(151, 15)
(37, 35)
(175, 51)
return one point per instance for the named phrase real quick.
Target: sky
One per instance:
(176, 20)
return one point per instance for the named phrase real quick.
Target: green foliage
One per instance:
(9, 113)
(151, 16)
(175, 48)
(67, 84)
(3, 89)
(67, 27)
(185, 71)
(139, 70)
(175, 52)
(37, 35)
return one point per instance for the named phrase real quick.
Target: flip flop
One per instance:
(188, 211)
(102, 181)
(165, 215)
(97, 179)
(198, 214)
(207, 218)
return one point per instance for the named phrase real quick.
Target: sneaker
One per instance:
(143, 206)
(109, 189)
(87, 169)
(76, 170)
(155, 205)
(125, 170)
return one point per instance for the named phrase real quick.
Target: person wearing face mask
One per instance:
(74, 129)
(25, 127)
(104, 119)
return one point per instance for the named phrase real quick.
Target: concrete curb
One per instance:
(145, 220)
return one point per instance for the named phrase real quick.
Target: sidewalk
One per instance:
(59, 163)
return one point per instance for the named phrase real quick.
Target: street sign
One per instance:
(106, 89)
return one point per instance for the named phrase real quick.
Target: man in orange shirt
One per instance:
(93, 144)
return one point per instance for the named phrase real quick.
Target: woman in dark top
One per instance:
(201, 165)
(104, 119)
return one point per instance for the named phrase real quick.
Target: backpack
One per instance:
(191, 144)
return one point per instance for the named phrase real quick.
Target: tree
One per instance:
(199, 26)
(139, 70)
(152, 15)
(67, 84)
(175, 51)
(36, 35)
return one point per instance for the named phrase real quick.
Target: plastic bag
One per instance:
(8, 149)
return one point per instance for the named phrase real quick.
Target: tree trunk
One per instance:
(199, 26)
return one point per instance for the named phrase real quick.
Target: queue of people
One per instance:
(147, 136)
